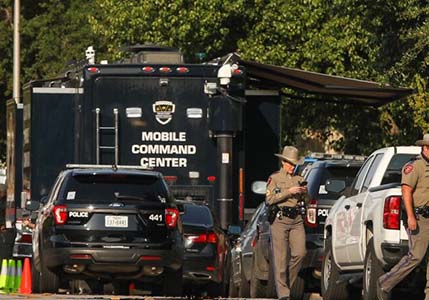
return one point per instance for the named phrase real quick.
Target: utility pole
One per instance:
(16, 53)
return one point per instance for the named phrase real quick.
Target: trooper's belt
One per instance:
(289, 212)
(422, 211)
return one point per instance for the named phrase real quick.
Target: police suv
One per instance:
(108, 225)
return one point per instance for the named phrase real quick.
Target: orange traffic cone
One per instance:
(25, 287)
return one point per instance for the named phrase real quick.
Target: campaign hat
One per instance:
(289, 154)
(424, 141)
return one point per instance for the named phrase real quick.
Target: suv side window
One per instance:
(371, 171)
(53, 194)
(360, 176)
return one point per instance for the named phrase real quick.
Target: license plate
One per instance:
(116, 221)
(115, 247)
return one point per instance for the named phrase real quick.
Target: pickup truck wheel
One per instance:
(372, 271)
(330, 275)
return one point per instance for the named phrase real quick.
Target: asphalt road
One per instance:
(111, 297)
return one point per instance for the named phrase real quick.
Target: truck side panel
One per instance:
(262, 140)
(48, 137)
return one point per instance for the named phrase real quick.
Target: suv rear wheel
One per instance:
(49, 281)
(232, 289)
(258, 288)
(173, 282)
(271, 284)
(35, 278)
(244, 289)
(298, 288)
(372, 271)
(330, 274)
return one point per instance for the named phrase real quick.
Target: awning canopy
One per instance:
(328, 87)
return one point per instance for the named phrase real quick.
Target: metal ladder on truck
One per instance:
(99, 130)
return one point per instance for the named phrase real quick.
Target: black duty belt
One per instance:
(289, 212)
(422, 211)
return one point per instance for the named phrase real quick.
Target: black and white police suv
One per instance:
(108, 225)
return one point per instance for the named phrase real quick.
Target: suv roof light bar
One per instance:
(321, 155)
(114, 167)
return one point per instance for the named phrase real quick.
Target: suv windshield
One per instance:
(342, 173)
(101, 188)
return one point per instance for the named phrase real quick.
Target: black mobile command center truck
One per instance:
(198, 124)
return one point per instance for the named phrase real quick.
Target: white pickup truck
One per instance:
(364, 234)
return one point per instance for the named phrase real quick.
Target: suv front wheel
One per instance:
(330, 275)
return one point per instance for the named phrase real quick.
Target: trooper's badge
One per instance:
(163, 111)
(408, 168)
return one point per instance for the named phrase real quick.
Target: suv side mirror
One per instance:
(32, 205)
(234, 230)
(335, 185)
(259, 187)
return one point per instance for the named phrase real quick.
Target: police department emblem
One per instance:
(163, 111)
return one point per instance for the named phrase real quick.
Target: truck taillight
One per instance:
(171, 217)
(60, 214)
(311, 214)
(392, 210)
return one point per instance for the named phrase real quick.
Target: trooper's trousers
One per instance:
(418, 242)
(288, 246)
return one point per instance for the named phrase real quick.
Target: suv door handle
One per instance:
(347, 207)
(359, 204)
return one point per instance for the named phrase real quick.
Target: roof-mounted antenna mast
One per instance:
(90, 55)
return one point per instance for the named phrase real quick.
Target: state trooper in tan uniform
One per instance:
(287, 230)
(415, 195)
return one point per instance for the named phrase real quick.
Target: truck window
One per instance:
(102, 188)
(394, 169)
(371, 171)
(361, 175)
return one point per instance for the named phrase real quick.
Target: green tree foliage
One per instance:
(211, 27)
(53, 34)
(57, 37)
(359, 39)
(6, 48)
(381, 40)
